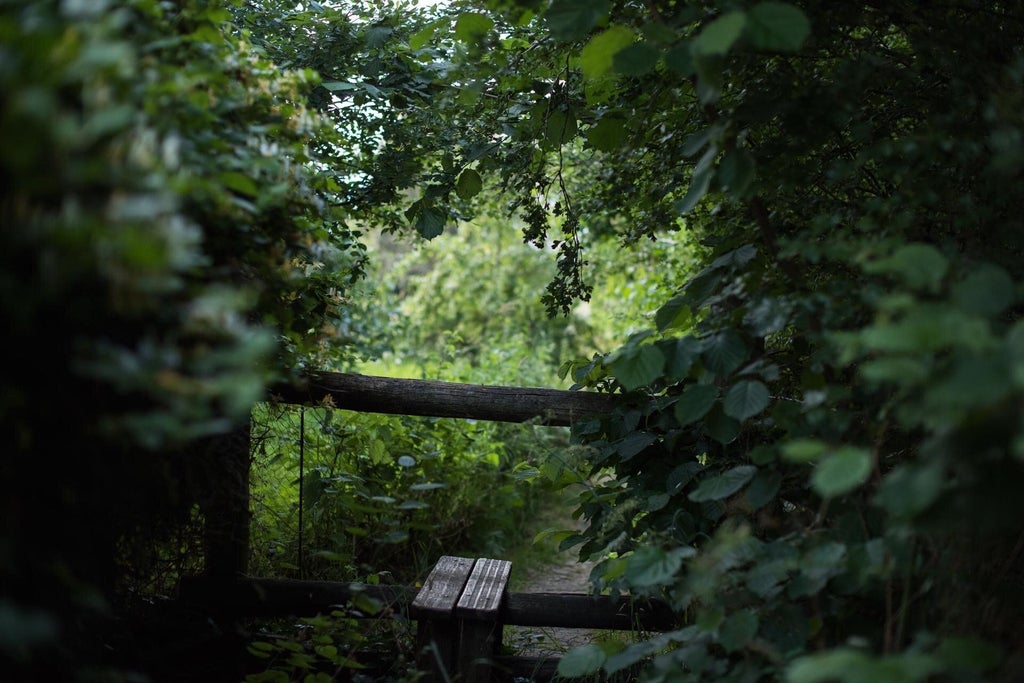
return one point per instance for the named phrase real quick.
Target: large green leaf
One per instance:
(920, 266)
(598, 55)
(803, 450)
(723, 485)
(988, 290)
(638, 366)
(724, 352)
(679, 356)
(911, 489)
(469, 184)
(700, 181)
(636, 60)
(428, 220)
(695, 402)
(746, 399)
(608, 134)
(651, 565)
(582, 661)
(717, 37)
(573, 19)
(777, 26)
(736, 172)
(737, 630)
(841, 471)
(470, 27)
(721, 427)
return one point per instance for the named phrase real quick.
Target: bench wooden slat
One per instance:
(484, 590)
(478, 611)
(437, 630)
(440, 592)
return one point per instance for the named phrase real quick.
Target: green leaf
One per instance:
(803, 450)
(560, 128)
(469, 184)
(825, 667)
(650, 565)
(573, 19)
(987, 291)
(681, 476)
(633, 443)
(724, 352)
(718, 36)
(695, 402)
(424, 35)
(636, 60)
(920, 266)
(777, 26)
(841, 471)
(738, 630)
(700, 181)
(721, 427)
(680, 60)
(736, 172)
(470, 27)
(679, 357)
(746, 399)
(911, 489)
(637, 367)
(597, 56)
(672, 314)
(608, 134)
(723, 485)
(763, 489)
(239, 182)
(428, 220)
(581, 661)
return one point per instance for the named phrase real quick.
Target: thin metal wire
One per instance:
(302, 471)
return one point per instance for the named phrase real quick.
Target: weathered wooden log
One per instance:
(577, 610)
(245, 597)
(365, 393)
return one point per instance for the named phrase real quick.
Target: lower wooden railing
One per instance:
(460, 612)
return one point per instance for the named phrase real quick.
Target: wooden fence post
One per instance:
(437, 631)
(226, 541)
(478, 611)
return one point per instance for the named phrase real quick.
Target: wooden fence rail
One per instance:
(392, 396)
(460, 612)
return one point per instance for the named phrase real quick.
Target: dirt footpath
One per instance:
(565, 575)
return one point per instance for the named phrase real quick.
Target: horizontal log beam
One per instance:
(246, 597)
(252, 597)
(578, 610)
(368, 394)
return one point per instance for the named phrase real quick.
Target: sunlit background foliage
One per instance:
(785, 234)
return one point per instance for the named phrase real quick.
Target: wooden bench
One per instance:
(457, 612)
(460, 610)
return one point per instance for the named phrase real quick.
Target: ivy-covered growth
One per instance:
(819, 446)
(165, 253)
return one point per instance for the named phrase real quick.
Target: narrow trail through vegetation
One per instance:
(560, 572)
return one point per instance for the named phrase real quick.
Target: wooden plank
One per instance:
(437, 631)
(440, 592)
(478, 611)
(568, 610)
(484, 590)
(283, 597)
(393, 396)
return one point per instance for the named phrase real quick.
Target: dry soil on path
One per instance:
(563, 574)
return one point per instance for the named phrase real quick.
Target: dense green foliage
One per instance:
(819, 442)
(167, 250)
(818, 450)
